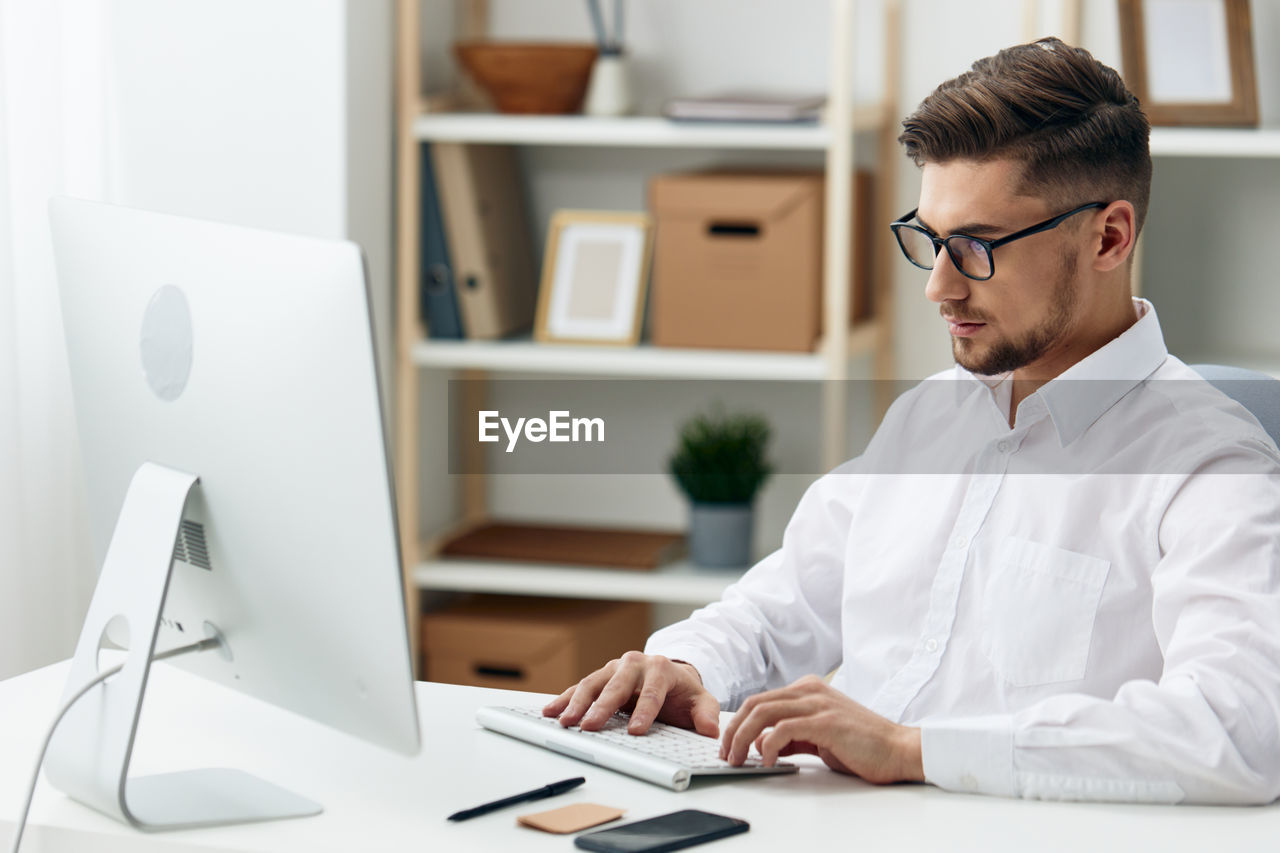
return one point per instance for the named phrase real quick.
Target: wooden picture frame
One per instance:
(1190, 62)
(595, 276)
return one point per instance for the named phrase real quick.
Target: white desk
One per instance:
(376, 801)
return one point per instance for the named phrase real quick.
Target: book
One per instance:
(438, 298)
(746, 107)
(574, 546)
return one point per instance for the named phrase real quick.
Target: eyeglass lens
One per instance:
(969, 255)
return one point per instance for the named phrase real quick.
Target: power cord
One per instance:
(203, 645)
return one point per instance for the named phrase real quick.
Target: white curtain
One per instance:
(53, 141)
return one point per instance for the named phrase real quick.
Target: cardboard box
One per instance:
(538, 644)
(738, 259)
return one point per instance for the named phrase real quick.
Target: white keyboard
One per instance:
(666, 755)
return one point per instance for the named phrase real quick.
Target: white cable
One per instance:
(201, 646)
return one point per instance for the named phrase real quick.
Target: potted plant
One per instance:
(720, 465)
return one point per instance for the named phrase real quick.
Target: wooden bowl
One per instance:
(527, 77)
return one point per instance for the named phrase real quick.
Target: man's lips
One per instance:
(961, 328)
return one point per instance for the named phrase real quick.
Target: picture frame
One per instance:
(595, 277)
(1190, 62)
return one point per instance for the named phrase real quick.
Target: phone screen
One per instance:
(673, 831)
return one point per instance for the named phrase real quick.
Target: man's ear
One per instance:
(1118, 236)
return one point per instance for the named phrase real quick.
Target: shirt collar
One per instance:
(1083, 392)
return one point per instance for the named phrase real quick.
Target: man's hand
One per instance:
(658, 687)
(812, 717)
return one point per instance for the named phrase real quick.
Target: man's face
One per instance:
(1025, 314)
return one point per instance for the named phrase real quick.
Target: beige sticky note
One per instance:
(570, 818)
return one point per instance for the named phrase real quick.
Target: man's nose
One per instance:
(945, 281)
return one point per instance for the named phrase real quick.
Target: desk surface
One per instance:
(375, 800)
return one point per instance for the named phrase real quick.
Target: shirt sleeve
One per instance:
(782, 619)
(1207, 731)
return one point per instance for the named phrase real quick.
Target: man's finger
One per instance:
(745, 712)
(705, 715)
(653, 693)
(793, 732)
(558, 704)
(731, 730)
(766, 713)
(617, 692)
(585, 693)
(798, 747)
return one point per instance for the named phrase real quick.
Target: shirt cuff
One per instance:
(970, 754)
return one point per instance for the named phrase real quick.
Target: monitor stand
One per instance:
(89, 755)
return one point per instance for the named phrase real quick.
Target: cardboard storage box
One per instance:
(738, 259)
(537, 644)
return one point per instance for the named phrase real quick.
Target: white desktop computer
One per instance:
(226, 391)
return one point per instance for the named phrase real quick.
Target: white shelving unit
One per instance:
(641, 362)
(524, 356)
(632, 131)
(833, 137)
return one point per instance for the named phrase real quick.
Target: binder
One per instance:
(482, 199)
(438, 299)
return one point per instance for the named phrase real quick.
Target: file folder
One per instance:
(482, 199)
(439, 299)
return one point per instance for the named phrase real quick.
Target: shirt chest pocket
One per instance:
(1038, 610)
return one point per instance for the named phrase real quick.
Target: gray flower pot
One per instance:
(720, 534)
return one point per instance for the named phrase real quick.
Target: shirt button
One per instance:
(1003, 447)
(931, 645)
(959, 542)
(969, 782)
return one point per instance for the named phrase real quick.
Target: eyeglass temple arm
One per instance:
(1043, 226)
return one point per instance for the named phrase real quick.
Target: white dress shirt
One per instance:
(1083, 606)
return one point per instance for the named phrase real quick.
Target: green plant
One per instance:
(720, 457)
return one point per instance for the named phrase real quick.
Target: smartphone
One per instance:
(674, 831)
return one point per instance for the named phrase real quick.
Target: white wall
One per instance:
(680, 48)
(272, 115)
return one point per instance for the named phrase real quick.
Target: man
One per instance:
(1077, 594)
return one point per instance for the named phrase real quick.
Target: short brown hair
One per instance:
(1079, 133)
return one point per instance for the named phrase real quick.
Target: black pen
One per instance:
(536, 794)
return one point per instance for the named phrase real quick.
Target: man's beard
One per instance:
(1009, 354)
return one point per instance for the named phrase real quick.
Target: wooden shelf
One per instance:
(644, 361)
(1215, 142)
(678, 583)
(633, 131)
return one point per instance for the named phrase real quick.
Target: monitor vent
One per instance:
(191, 546)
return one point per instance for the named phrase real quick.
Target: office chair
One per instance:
(1257, 392)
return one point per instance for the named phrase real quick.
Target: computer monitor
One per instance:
(227, 396)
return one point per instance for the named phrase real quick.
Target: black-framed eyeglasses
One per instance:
(971, 255)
